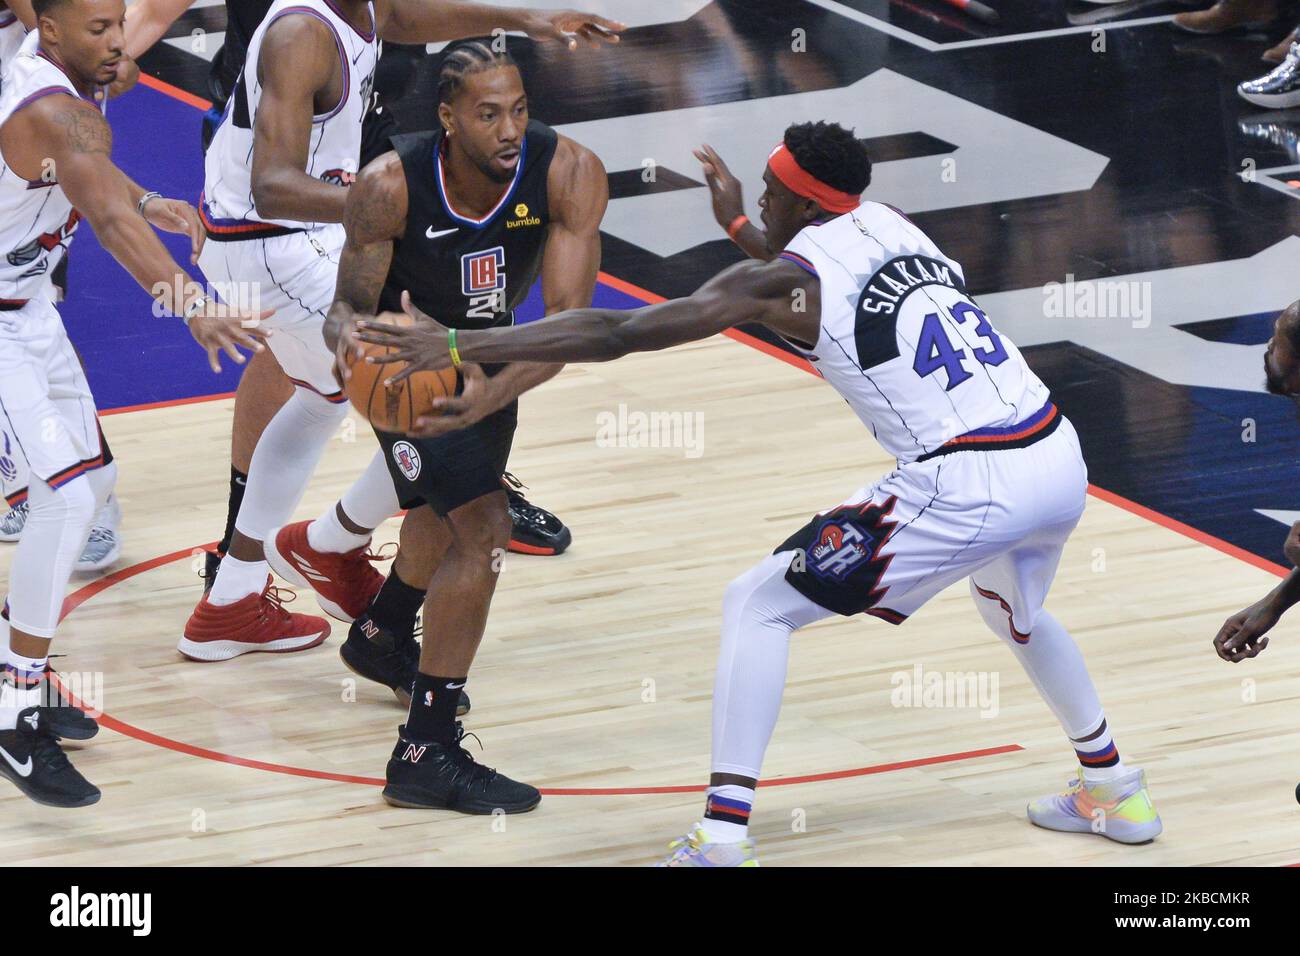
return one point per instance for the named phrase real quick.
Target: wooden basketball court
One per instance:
(595, 676)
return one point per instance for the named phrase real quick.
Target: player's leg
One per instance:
(1048, 481)
(331, 554)
(295, 275)
(459, 477)
(429, 768)
(381, 644)
(760, 611)
(262, 391)
(1107, 797)
(49, 418)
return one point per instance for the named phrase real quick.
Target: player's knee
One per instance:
(319, 408)
(482, 526)
(72, 504)
(997, 614)
(746, 598)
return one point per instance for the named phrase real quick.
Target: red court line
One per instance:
(167, 404)
(82, 595)
(175, 92)
(1187, 530)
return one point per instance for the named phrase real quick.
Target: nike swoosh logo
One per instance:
(23, 769)
(429, 233)
(456, 686)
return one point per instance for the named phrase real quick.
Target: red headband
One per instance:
(801, 183)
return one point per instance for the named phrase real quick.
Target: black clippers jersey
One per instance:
(469, 273)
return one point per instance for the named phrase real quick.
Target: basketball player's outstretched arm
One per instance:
(1242, 635)
(427, 21)
(74, 136)
(777, 294)
(298, 65)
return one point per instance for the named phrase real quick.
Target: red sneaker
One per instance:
(258, 622)
(345, 584)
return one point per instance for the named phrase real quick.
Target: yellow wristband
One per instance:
(451, 347)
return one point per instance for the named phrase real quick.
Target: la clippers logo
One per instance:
(45, 243)
(8, 470)
(840, 547)
(407, 458)
(339, 177)
(483, 271)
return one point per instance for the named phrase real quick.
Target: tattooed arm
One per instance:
(374, 216)
(63, 137)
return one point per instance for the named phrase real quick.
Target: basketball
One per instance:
(395, 409)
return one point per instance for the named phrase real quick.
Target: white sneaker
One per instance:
(695, 850)
(11, 525)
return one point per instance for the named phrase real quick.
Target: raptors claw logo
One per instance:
(339, 177)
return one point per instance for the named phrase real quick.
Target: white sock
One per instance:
(327, 534)
(725, 808)
(21, 687)
(1098, 747)
(237, 579)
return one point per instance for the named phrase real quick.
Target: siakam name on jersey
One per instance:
(899, 277)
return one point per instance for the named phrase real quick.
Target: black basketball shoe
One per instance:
(533, 530)
(379, 655)
(433, 776)
(60, 715)
(31, 757)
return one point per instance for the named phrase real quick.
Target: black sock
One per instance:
(433, 708)
(238, 481)
(395, 607)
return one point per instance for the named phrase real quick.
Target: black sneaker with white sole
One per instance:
(31, 757)
(379, 655)
(427, 775)
(62, 717)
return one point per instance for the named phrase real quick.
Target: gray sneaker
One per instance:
(103, 546)
(11, 525)
(1278, 89)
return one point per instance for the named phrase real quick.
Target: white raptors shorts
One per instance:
(48, 424)
(294, 274)
(1000, 517)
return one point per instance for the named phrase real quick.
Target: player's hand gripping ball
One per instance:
(395, 408)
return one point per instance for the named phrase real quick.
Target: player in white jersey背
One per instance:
(55, 170)
(989, 484)
(275, 181)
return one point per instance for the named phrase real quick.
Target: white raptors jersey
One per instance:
(903, 342)
(12, 33)
(36, 219)
(334, 151)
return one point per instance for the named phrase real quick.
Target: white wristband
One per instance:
(139, 207)
(194, 308)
